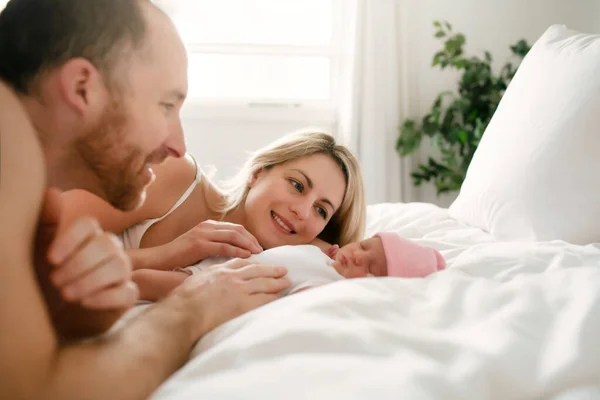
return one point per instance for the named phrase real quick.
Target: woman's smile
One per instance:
(282, 224)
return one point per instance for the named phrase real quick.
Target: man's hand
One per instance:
(229, 290)
(84, 272)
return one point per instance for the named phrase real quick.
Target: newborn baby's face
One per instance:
(357, 260)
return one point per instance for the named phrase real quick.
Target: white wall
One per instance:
(488, 25)
(491, 25)
(225, 144)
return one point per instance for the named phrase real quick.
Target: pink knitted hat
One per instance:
(408, 259)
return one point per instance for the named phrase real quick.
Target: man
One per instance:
(90, 92)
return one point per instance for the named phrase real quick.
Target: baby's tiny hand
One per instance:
(332, 251)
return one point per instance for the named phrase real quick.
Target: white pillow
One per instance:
(536, 173)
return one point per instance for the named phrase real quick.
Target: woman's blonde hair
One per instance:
(348, 223)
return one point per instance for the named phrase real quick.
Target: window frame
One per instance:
(320, 112)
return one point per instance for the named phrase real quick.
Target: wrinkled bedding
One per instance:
(504, 321)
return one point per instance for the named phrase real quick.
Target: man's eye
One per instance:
(168, 106)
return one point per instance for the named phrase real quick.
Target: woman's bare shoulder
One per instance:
(203, 203)
(172, 178)
(199, 205)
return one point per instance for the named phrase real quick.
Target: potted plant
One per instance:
(458, 120)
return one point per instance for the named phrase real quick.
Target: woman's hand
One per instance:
(213, 238)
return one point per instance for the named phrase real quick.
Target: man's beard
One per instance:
(117, 164)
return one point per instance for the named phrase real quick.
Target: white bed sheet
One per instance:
(504, 321)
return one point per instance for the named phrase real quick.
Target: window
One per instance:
(253, 56)
(250, 57)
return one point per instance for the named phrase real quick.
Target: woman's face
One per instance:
(292, 203)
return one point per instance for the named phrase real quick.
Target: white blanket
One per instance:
(505, 321)
(306, 265)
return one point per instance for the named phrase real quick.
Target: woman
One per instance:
(303, 188)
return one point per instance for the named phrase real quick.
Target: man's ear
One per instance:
(81, 84)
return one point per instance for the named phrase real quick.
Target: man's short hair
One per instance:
(37, 36)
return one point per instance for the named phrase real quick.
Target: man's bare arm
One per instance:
(129, 364)
(33, 364)
(155, 285)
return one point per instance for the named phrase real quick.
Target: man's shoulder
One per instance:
(8, 100)
(22, 173)
(14, 120)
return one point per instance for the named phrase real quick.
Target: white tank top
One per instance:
(132, 236)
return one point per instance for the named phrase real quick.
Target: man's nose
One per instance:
(175, 143)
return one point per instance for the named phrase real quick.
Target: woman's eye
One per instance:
(322, 212)
(297, 185)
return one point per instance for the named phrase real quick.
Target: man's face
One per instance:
(121, 166)
(140, 124)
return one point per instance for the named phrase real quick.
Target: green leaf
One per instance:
(409, 139)
(479, 129)
(448, 26)
(521, 48)
(460, 63)
(438, 101)
(437, 24)
(440, 34)
(437, 58)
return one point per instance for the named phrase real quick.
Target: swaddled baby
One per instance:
(385, 254)
(307, 265)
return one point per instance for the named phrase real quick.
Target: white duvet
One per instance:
(504, 321)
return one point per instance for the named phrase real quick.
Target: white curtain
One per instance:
(371, 97)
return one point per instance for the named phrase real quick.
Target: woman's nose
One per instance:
(301, 209)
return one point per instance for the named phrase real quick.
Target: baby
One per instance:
(385, 254)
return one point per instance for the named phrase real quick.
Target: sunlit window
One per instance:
(258, 50)
(256, 22)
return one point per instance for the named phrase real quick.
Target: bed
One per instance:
(504, 321)
(516, 315)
